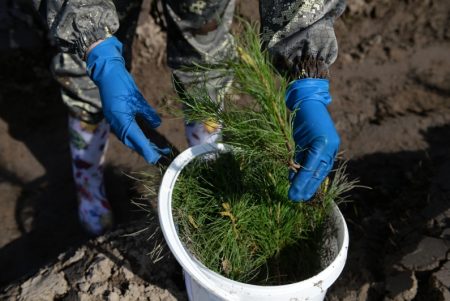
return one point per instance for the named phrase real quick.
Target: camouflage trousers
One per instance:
(299, 35)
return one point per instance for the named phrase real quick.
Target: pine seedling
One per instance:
(263, 125)
(232, 210)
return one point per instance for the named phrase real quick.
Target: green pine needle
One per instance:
(232, 210)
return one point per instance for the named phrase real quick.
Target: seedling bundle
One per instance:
(231, 209)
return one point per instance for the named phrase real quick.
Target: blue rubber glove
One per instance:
(121, 99)
(315, 136)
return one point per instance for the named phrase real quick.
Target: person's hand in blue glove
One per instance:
(315, 136)
(121, 100)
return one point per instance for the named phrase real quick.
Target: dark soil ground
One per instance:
(391, 104)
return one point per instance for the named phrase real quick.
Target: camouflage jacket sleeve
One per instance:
(75, 24)
(299, 35)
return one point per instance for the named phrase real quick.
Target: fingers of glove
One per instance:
(148, 113)
(317, 166)
(299, 158)
(310, 167)
(298, 190)
(291, 175)
(136, 140)
(162, 151)
(319, 175)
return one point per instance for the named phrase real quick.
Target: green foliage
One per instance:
(232, 209)
(260, 127)
(233, 214)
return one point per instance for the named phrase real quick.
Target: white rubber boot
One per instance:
(88, 144)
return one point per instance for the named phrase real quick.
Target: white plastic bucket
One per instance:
(203, 284)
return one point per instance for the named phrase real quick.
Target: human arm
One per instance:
(75, 25)
(300, 37)
(121, 100)
(80, 26)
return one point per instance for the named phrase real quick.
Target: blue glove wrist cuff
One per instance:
(111, 48)
(308, 89)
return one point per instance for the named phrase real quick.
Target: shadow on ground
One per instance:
(45, 210)
(399, 229)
